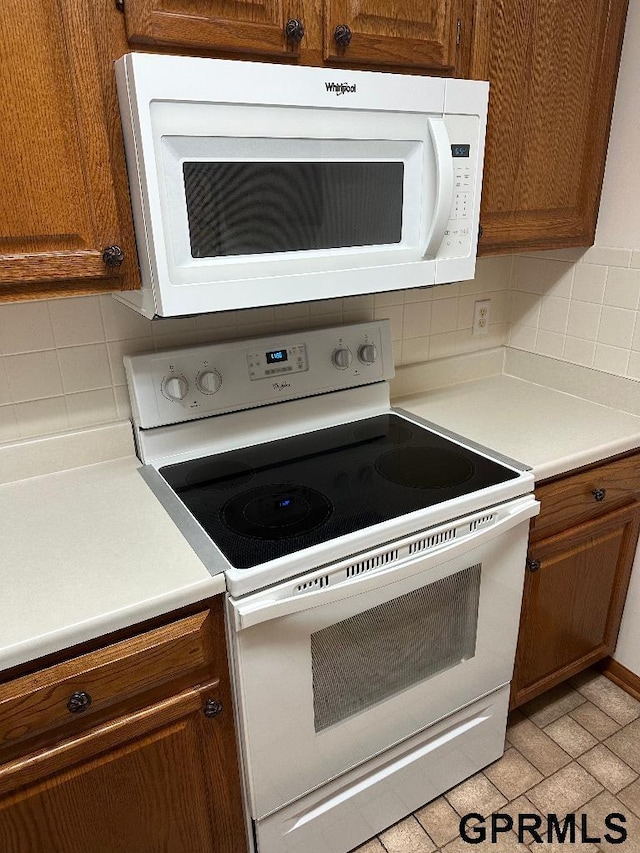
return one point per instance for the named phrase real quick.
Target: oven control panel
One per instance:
(194, 382)
(262, 363)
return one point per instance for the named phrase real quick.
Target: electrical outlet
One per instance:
(481, 317)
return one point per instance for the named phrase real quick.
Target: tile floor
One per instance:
(576, 749)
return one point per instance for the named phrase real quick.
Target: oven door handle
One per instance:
(444, 186)
(272, 604)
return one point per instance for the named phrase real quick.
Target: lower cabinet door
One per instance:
(159, 779)
(574, 594)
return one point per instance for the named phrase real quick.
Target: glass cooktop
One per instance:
(268, 500)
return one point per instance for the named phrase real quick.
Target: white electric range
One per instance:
(374, 565)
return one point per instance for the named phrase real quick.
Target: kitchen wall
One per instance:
(61, 360)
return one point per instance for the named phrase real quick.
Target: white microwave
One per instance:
(258, 184)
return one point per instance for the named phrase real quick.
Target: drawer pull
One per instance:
(212, 707)
(533, 565)
(342, 36)
(294, 31)
(78, 701)
(599, 494)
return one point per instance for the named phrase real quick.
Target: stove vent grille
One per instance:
(432, 541)
(372, 563)
(316, 583)
(481, 522)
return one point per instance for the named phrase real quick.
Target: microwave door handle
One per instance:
(444, 186)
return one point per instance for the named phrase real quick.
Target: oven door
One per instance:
(338, 666)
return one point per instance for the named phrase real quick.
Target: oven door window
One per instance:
(257, 208)
(373, 655)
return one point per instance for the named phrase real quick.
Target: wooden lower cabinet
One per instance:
(576, 580)
(161, 777)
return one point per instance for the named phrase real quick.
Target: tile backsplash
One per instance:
(61, 360)
(580, 306)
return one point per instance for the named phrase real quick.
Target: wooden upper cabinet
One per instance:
(403, 32)
(552, 67)
(58, 206)
(252, 26)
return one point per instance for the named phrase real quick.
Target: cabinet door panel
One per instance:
(572, 605)
(253, 26)
(161, 784)
(403, 32)
(58, 207)
(552, 71)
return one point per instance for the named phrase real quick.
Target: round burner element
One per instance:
(425, 467)
(277, 511)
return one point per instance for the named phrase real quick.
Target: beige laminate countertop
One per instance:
(86, 551)
(549, 430)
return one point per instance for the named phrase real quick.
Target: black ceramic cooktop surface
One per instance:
(268, 500)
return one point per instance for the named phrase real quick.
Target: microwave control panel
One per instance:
(463, 133)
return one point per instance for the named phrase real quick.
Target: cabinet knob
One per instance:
(533, 565)
(212, 707)
(113, 256)
(294, 31)
(599, 494)
(342, 35)
(78, 701)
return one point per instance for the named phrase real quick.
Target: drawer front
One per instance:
(581, 497)
(71, 692)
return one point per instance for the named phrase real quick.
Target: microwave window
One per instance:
(260, 208)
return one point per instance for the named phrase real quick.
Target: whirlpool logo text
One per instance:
(341, 88)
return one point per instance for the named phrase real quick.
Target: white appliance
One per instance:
(374, 567)
(255, 184)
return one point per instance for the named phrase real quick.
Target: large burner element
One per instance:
(276, 511)
(424, 467)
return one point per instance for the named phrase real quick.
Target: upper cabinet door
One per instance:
(552, 67)
(402, 32)
(58, 206)
(250, 26)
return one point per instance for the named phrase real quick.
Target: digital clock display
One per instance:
(277, 356)
(460, 150)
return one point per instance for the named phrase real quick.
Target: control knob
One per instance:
(175, 387)
(367, 353)
(209, 381)
(341, 358)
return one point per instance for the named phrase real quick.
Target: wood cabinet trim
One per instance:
(35, 766)
(34, 704)
(148, 23)
(569, 499)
